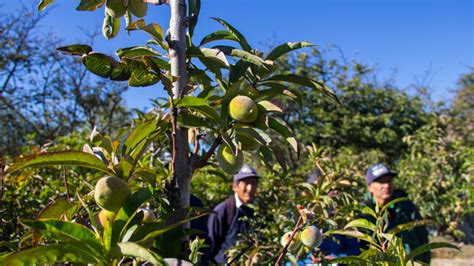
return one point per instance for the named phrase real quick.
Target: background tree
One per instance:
(44, 94)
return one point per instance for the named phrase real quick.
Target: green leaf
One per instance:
(362, 209)
(238, 70)
(49, 254)
(236, 34)
(121, 72)
(137, 51)
(190, 120)
(199, 105)
(141, 76)
(75, 49)
(270, 107)
(355, 234)
(139, 134)
(280, 126)
(136, 251)
(249, 57)
(277, 89)
(75, 158)
(300, 80)
(407, 226)
(259, 135)
(387, 205)
(349, 260)
(279, 155)
(151, 231)
(89, 5)
(153, 29)
(99, 64)
(136, 200)
(55, 208)
(214, 55)
(360, 223)
(218, 35)
(124, 168)
(194, 7)
(285, 48)
(127, 213)
(428, 247)
(73, 233)
(43, 4)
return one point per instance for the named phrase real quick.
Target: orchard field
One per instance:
(84, 179)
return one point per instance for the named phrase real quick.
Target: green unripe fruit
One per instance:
(115, 8)
(295, 243)
(243, 109)
(247, 143)
(148, 216)
(111, 193)
(228, 161)
(311, 237)
(138, 8)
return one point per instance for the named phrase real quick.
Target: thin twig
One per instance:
(209, 153)
(295, 230)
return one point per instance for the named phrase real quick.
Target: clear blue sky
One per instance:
(405, 38)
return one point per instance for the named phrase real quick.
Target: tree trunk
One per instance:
(181, 162)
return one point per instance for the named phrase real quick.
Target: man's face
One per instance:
(246, 189)
(382, 189)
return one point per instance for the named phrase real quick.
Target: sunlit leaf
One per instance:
(349, 260)
(75, 49)
(270, 107)
(392, 202)
(55, 208)
(194, 7)
(218, 35)
(44, 3)
(69, 232)
(199, 105)
(237, 35)
(89, 5)
(75, 158)
(135, 51)
(99, 64)
(49, 254)
(355, 234)
(249, 57)
(360, 223)
(138, 134)
(153, 29)
(141, 76)
(285, 48)
(215, 55)
(136, 251)
(300, 80)
(428, 247)
(407, 226)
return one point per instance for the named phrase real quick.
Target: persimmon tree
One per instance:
(201, 79)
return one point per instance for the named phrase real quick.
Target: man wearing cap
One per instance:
(225, 222)
(379, 182)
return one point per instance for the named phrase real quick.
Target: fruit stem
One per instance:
(295, 230)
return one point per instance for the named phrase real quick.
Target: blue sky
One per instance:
(428, 42)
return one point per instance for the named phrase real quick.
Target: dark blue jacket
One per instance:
(223, 230)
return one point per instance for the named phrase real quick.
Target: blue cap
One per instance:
(245, 172)
(377, 171)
